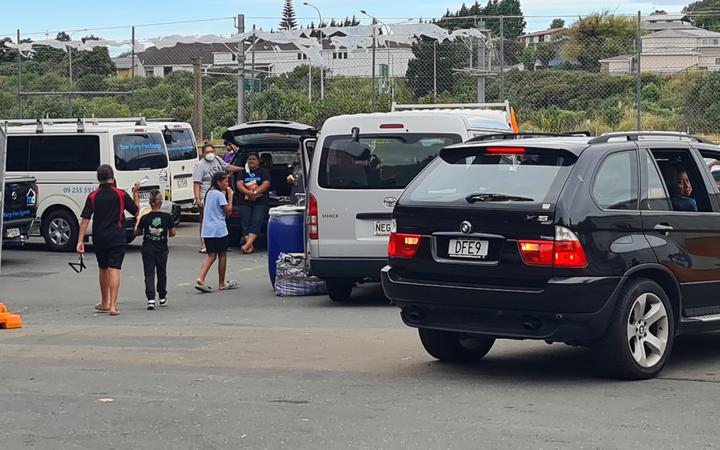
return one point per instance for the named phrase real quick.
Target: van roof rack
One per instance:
(636, 135)
(527, 135)
(75, 120)
(449, 106)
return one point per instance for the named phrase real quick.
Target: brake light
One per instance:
(505, 150)
(403, 245)
(565, 251)
(391, 125)
(312, 217)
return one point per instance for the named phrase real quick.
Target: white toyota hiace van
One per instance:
(360, 166)
(63, 155)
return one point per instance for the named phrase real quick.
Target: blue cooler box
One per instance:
(285, 234)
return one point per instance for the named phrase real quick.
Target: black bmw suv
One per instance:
(611, 242)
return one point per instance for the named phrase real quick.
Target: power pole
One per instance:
(132, 73)
(374, 45)
(241, 70)
(435, 69)
(502, 59)
(19, 65)
(638, 94)
(197, 117)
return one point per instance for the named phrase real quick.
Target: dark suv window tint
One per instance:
(683, 180)
(47, 153)
(656, 198)
(467, 175)
(140, 151)
(378, 162)
(615, 185)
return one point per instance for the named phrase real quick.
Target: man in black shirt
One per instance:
(107, 206)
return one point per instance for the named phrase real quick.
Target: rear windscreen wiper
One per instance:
(487, 197)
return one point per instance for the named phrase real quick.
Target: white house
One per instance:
(277, 59)
(664, 21)
(671, 51)
(538, 37)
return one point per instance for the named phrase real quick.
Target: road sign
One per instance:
(248, 84)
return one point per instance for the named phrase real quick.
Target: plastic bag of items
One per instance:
(291, 280)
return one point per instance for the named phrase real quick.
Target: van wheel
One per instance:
(60, 230)
(452, 347)
(339, 289)
(641, 334)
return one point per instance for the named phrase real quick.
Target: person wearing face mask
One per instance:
(204, 169)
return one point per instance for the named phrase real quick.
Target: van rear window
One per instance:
(476, 176)
(183, 145)
(140, 151)
(384, 161)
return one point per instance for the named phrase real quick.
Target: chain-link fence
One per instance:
(598, 73)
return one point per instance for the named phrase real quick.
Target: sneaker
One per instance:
(151, 305)
(163, 302)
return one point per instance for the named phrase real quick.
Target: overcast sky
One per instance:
(54, 15)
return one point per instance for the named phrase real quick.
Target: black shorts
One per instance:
(216, 245)
(110, 257)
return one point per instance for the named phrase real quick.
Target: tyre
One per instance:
(339, 289)
(60, 230)
(448, 346)
(640, 337)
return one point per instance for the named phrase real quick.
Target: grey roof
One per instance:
(544, 32)
(617, 58)
(669, 16)
(691, 32)
(125, 62)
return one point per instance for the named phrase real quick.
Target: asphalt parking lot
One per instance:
(248, 369)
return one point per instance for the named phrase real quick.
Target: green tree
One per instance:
(529, 57)
(545, 52)
(557, 23)
(711, 21)
(599, 36)
(288, 22)
(420, 72)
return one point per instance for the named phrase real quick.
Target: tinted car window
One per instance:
(657, 198)
(47, 153)
(182, 146)
(537, 175)
(378, 162)
(140, 151)
(615, 185)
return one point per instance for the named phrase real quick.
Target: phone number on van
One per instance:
(78, 190)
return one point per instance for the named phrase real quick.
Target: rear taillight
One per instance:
(565, 251)
(312, 217)
(403, 245)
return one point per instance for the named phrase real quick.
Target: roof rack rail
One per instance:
(636, 135)
(441, 106)
(74, 120)
(527, 134)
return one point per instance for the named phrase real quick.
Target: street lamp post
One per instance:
(322, 71)
(387, 46)
(373, 93)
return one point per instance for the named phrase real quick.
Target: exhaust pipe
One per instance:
(531, 323)
(413, 314)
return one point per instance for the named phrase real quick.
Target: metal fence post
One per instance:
(502, 59)
(197, 119)
(132, 74)
(19, 80)
(481, 66)
(372, 88)
(639, 72)
(241, 70)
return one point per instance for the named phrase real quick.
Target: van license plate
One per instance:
(382, 228)
(145, 196)
(181, 182)
(468, 248)
(12, 233)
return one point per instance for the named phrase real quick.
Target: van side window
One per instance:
(657, 197)
(615, 185)
(72, 153)
(683, 180)
(18, 154)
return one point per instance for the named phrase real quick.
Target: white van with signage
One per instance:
(63, 155)
(360, 166)
(183, 154)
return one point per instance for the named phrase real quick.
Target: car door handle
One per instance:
(664, 228)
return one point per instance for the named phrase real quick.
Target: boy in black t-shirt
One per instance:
(155, 226)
